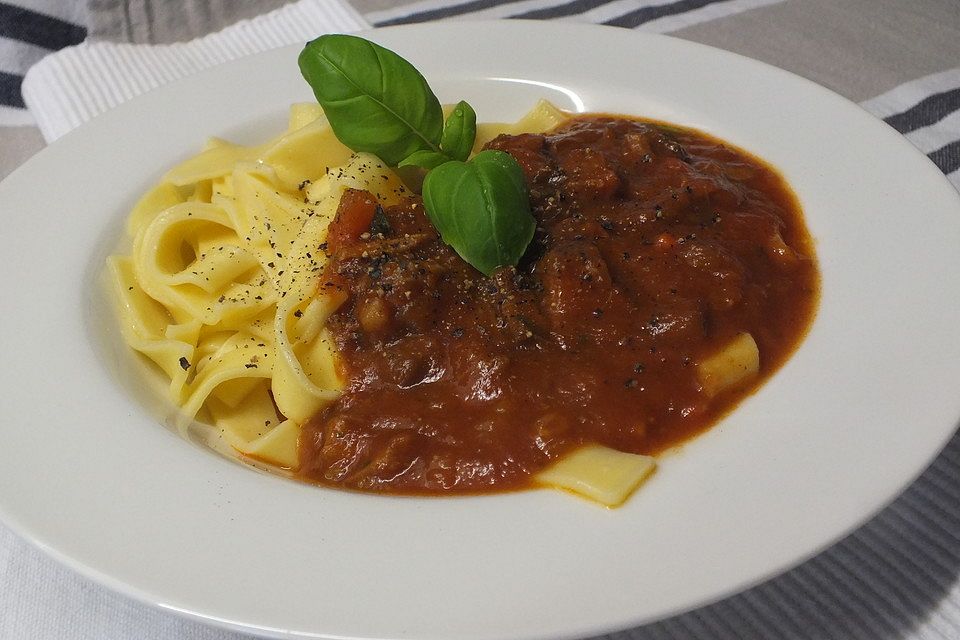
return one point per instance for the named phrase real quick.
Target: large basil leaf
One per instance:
(375, 100)
(481, 208)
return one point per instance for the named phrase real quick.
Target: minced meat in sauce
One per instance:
(655, 245)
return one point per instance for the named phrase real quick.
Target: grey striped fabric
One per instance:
(927, 112)
(27, 34)
(646, 14)
(898, 577)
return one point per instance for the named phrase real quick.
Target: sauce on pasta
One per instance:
(656, 247)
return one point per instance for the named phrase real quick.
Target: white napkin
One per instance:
(67, 88)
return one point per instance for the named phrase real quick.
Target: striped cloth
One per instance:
(894, 578)
(927, 112)
(27, 34)
(650, 16)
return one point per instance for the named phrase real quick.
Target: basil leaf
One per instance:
(426, 159)
(378, 102)
(459, 132)
(375, 100)
(481, 208)
(456, 143)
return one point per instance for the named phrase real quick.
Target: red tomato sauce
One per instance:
(655, 246)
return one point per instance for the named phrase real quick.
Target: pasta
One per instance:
(221, 288)
(734, 364)
(599, 473)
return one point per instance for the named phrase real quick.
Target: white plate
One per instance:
(854, 417)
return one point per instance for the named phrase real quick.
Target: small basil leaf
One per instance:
(375, 100)
(459, 132)
(426, 159)
(481, 208)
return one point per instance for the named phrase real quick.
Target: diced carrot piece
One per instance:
(353, 218)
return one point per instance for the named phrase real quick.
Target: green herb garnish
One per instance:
(481, 209)
(379, 103)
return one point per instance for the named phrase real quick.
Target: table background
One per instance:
(897, 577)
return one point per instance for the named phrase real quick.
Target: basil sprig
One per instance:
(378, 102)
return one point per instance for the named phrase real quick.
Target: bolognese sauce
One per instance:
(655, 245)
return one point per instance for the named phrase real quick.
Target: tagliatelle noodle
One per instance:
(221, 288)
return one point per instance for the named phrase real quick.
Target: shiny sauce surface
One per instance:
(655, 246)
